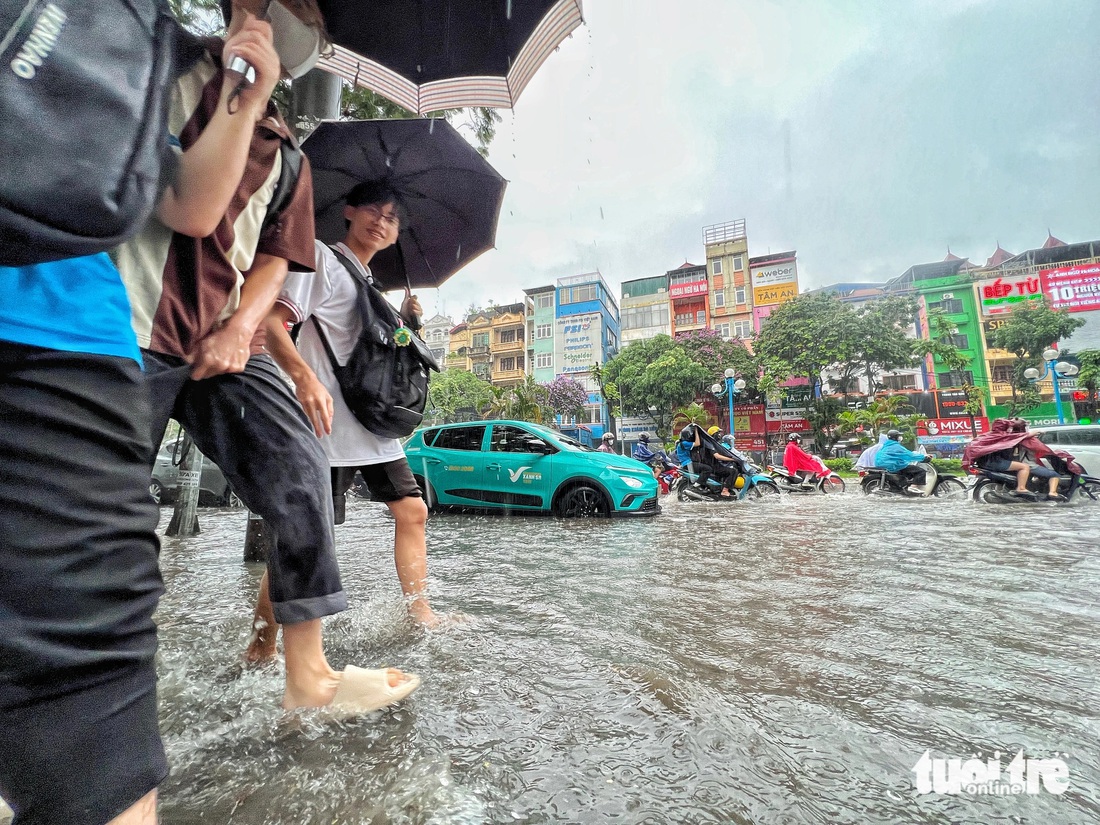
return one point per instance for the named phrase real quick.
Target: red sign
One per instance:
(688, 289)
(952, 426)
(1072, 288)
(748, 420)
(750, 442)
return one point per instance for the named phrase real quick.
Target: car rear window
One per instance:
(460, 438)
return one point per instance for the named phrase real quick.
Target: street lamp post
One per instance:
(1055, 369)
(732, 390)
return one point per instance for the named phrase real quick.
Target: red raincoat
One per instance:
(796, 459)
(1006, 434)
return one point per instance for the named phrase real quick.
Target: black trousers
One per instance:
(253, 428)
(79, 581)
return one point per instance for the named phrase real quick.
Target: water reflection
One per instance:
(783, 662)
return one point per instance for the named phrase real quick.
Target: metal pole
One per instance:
(185, 518)
(1057, 391)
(729, 391)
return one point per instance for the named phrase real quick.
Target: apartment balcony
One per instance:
(509, 346)
(506, 378)
(478, 352)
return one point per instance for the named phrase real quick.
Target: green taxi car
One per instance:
(518, 467)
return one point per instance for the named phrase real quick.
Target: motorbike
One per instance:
(667, 479)
(876, 481)
(824, 480)
(751, 483)
(991, 487)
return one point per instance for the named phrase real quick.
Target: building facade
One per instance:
(586, 333)
(645, 308)
(540, 308)
(730, 293)
(689, 297)
(774, 281)
(436, 333)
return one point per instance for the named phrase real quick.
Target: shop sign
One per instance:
(688, 290)
(766, 295)
(1072, 288)
(1001, 295)
(952, 426)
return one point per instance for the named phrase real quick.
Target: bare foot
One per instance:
(261, 645)
(322, 692)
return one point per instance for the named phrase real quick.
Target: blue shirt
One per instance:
(74, 305)
(683, 452)
(893, 456)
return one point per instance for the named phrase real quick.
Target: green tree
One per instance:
(805, 335)
(940, 344)
(1026, 333)
(878, 339)
(693, 413)
(1088, 379)
(716, 354)
(456, 392)
(656, 373)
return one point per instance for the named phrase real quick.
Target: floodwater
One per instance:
(773, 662)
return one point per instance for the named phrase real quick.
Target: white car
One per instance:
(1082, 441)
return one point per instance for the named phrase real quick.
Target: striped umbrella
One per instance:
(427, 55)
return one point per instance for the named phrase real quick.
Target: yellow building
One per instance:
(730, 298)
(492, 345)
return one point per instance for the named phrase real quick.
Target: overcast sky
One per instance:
(869, 135)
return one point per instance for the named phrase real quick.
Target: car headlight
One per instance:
(630, 481)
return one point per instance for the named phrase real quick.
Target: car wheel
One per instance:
(428, 492)
(156, 491)
(764, 489)
(946, 487)
(832, 484)
(582, 501)
(229, 498)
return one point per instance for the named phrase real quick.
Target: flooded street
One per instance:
(784, 662)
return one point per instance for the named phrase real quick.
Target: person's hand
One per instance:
(316, 401)
(254, 44)
(225, 350)
(411, 310)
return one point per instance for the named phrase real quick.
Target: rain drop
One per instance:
(458, 253)
(508, 10)
(601, 213)
(242, 412)
(389, 162)
(431, 125)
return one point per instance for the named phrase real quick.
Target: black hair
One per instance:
(371, 192)
(227, 11)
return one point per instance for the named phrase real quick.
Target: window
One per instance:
(460, 438)
(719, 299)
(519, 362)
(544, 331)
(654, 315)
(577, 294)
(482, 371)
(545, 301)
(701, 316)
(508, 336)
(693, 276)
(723, 330)
(899, 382)
(507, 364)
(955, 378)
(437, 335)
(960, 341)
(950, 306)
(480, 339)
(716, 266)
(737, 262)
(1003, 374)
(509, 439)
(742, 329)
(739, 295)
(439, 355)
(544, 360)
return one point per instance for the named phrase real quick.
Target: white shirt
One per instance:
(331, 297)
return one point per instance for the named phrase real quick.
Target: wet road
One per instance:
(784, 662)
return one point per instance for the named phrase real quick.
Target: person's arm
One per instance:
(211, 169)
(316, 401)
(226, 349)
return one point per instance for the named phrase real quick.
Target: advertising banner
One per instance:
(577, 343)
(687, 290)
(1072, 288)
(1001, 295)
(749, 420)
(951, 426)
(774, 283)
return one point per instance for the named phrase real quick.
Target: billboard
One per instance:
(688, 290)
(774, 283)
(578, 343)
(939, 427)
(1000, 295)
(1072, 288)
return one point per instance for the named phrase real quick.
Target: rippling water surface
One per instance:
(783, 662)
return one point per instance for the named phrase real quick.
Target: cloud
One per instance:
(868, 136)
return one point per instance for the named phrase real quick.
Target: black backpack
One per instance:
(84, 93)
(384, 383)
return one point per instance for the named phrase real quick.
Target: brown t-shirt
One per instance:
(181, 288)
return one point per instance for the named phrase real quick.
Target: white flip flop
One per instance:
(363, 691)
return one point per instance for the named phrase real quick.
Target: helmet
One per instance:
(1017, 425)
(794, 437)
(728, 439)
(894, 434)
(609, 436)
(644, 438)
(714, 431)
(688, 433)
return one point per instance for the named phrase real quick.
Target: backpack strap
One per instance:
(289, 171)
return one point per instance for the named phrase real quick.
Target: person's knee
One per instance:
(410, 511)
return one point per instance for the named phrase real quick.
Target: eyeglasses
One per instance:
(388, 218)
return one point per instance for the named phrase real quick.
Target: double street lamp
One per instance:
(732, 390)
(1055, 369)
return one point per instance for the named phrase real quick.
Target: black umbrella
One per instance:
(451, 194)
(428, 55)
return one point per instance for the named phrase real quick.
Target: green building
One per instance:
(540, 332)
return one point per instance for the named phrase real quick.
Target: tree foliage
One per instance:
(1026, 333)
(456, 392)
(805, 336)
(656, 373)
(708, 348)
(878, 339)
(526, 401)
(566, 396)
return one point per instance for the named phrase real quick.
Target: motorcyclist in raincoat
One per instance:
(799, 463)
(866, 459)
(656, 458)
(895, 458)
(1001, 449)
